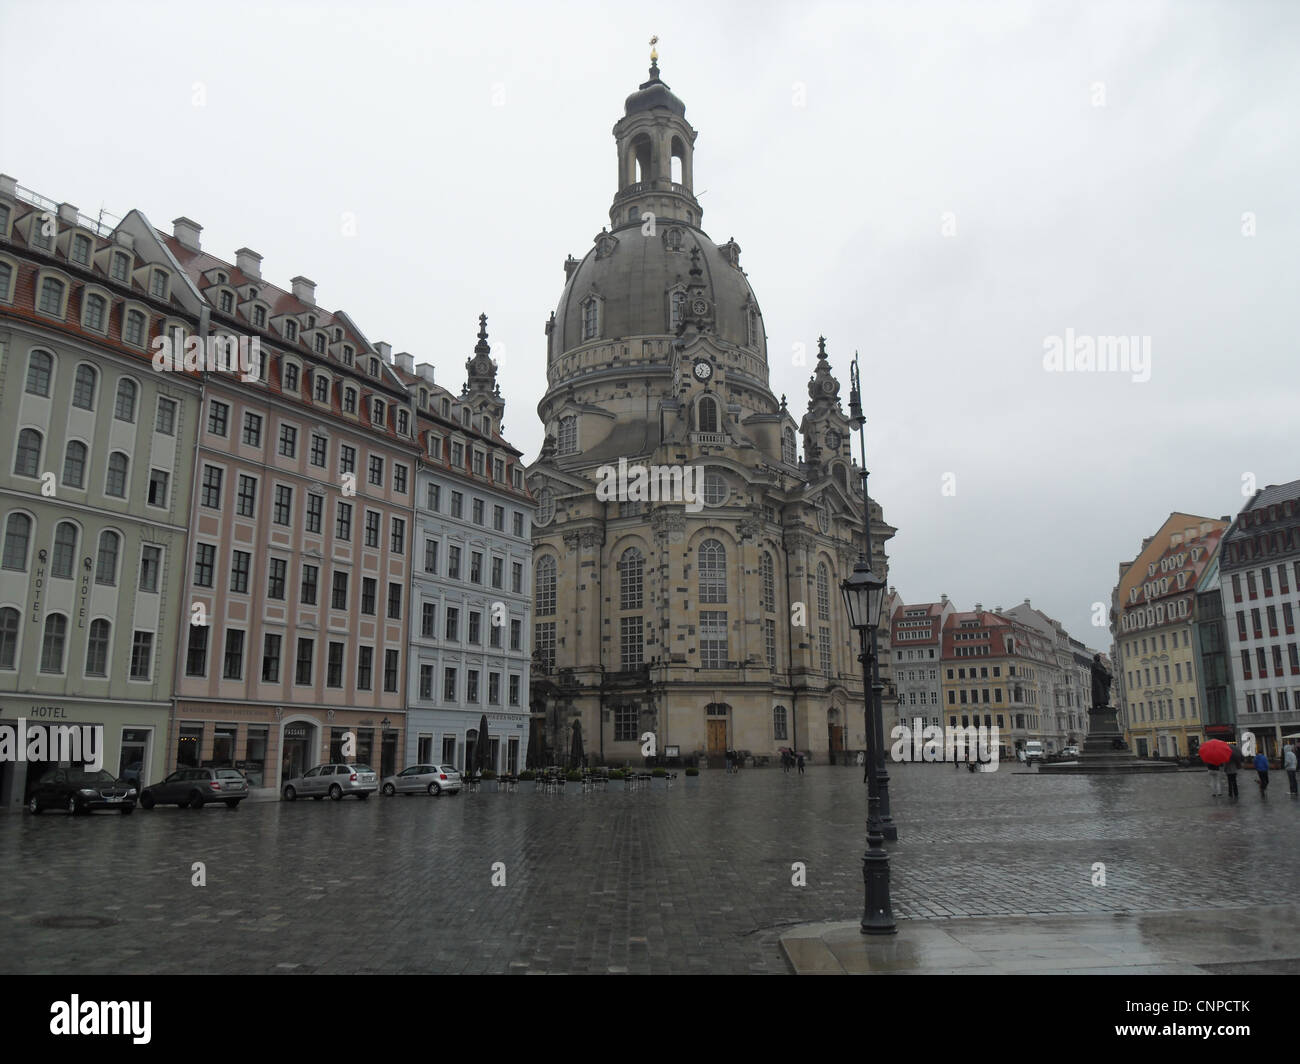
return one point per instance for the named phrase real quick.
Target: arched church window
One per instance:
(715, 487)
(712, 558)
(823, 593)
(675, 240)
(767, 582)
(590, 319)
(679, 309)
(631, 579)
(566, 439)
(544, 586)
(788, 453)
(753, 327)
(708, 411)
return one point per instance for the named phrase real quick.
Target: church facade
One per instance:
(692, 531)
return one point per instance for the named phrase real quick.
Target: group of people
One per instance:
(1234, 764)
(789, 760)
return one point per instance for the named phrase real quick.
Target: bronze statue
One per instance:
(1101, 680)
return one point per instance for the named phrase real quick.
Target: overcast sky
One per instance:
(1096, 168)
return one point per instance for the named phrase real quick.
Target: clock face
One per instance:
(703, 370)
(828, 386)
(833, 440)
(699, 308)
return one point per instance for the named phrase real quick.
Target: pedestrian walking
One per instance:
(1230, 769)
(1289, 762)
(799, 759)
(1261, 767)
(1216, 782)
(726, 757)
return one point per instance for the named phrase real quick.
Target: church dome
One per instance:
(635, 279)
(651, 94)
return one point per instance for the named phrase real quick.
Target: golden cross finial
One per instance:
(654, 55)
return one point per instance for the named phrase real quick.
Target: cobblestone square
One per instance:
(687, 880)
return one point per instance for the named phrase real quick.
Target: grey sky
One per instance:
(472, 143)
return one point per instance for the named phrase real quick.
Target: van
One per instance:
(1033, 751)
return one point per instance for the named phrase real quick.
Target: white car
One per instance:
(1033, 751)
(333, 781)
(424, 779)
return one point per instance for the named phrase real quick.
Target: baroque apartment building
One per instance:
(471, 600)
(713, 622)
(1061, 695)
(916, 641)
(95, 484)
(299, 568)
(1259, 573)
(1153, 613)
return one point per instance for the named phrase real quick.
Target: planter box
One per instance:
(659, 783)
(526, 786)
(489, 786)
(616, 785)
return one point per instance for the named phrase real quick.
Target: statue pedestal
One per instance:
(1099, 754)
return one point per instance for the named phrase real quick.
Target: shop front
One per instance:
(127, 738)
(448, 737)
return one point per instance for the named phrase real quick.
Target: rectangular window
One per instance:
(627, 720)
(494, 636)
(150, 567)
(347, 459)
(253, 430)
(517, 524)
(434, 501)
(365, 656)
(453, 563)
(778, 722)
(471, 686)
(390, 670)
(494, 689)
(339, 600)
(373, 521)
(375, 472)
(211, 496)
(430, 555)
(457, 504)
(283, 512)
(499, 518)
(516, 577)
(288, 441)
(631, 641)
(713, 639)
(428, 619)
(824, 649)
(426, 682)
(449, 685)
(343, 521)
(475, 627)
(516, 633)
(397, 541)
(270, 658)
(315, 512)
(498, 567)
(452, 629)
(318, 448)
(246, 498)
(165, 419)
(475, 567)
(205, 557)
(476, 508)
(544, 643)
(307, 593)
(233, 668)
(218, 418)
(275, 578)
(769, 642)
(394, 602)
(367, 595)
(141, 655)
(240, 563)
(399, 479)
(334, 666)
(196, 653)
(457, 456)
(514, 690)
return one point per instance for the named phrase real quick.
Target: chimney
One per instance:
(426, 371)
(304, 290)
(405, 362)
(979, 607)
(249, 262)
(385, 351)
(943, 598)
(8, 186)
(187, 232)
(67, 214)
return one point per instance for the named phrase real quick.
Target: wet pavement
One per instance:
(689, 880)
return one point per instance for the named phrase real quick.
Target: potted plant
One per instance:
(488, 782)
(617, 780)
(527, 782)
(659, 779)
(573, 783)
(692, 778)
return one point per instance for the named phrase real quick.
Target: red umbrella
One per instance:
(1215, 752)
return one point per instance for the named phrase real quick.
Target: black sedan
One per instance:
(79, 790)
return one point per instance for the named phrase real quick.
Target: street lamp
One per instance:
(877, 785)
(864, 594)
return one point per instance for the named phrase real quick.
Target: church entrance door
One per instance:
(717, 740)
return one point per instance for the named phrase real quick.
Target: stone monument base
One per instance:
(1099, 754)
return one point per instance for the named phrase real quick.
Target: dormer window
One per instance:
(377, 415)
(43, 231)
(349, 400)
(311, 321)
(338, 335)
(487, 425)
(374, 367)
(446, 408)
(252, 293)
(158, 284)
(403, 423)
(121, 266)
(221, 277)
(227, 303)
(590, 318)
(322, 385)
(347, 355)
(134, 331)
(290, 377)
(291, 330)
(259, 317)
(465, 416)
(81, 249)
(424, 397)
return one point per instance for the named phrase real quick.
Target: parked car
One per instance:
(80, 790)
(424, 779)
(196, 787)
(1070, 751)
(333, 780)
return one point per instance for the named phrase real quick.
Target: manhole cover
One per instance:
(84, 923)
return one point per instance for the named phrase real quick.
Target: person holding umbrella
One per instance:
(1214, 753)
(1230, 768)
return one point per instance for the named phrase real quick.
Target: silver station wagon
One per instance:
(424, 779)
(197, 787)
(332, 781)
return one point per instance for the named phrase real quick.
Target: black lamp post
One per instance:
(877, 786)
(864, 594)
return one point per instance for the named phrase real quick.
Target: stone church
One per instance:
(711, 618)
